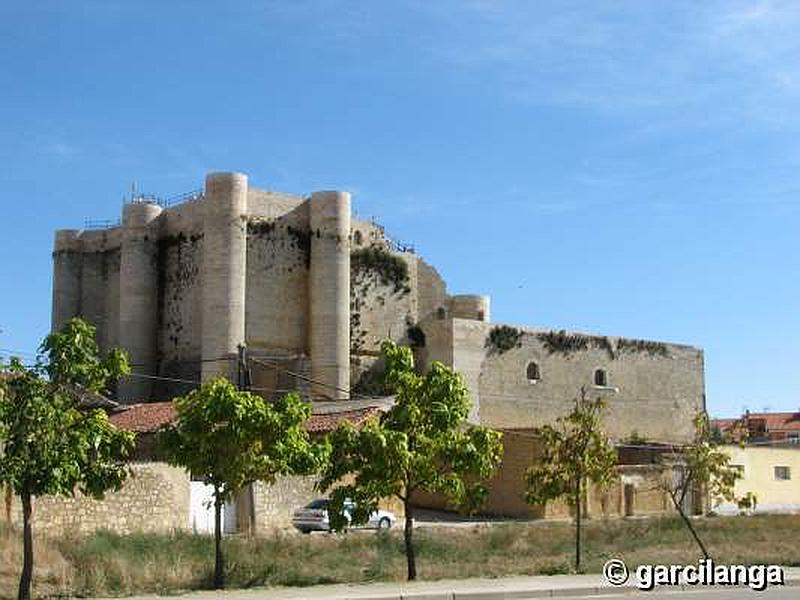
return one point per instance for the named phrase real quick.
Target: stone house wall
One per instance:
(653, 389)
(507, 488)
(274, 504)
(154, 498)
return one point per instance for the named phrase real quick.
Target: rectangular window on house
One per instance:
(739, 469)
(793, 437)
(783, 473)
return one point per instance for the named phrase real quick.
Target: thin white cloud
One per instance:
(721, 61)
(695, 63)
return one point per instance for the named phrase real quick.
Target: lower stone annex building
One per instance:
(311, 292)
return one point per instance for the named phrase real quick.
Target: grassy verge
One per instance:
(109, 564)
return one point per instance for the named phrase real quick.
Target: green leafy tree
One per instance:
(49, 445)
(702, 467)
(230, 438)
(422, 443)
(575, 450)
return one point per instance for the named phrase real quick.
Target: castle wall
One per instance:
(267, 204)
(223, 272)
(653, 391)
(110, 337)
(67, 265)
(384, 305)
(469, 306)
(93, 292)
(381, 309)
(438, 342)
(329, 290)
(469, 352)
(288, 276)
(138, 296)
(278, 261)
(180, 315)
(431, 290)
(100, 283)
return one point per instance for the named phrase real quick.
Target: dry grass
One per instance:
(108, 564)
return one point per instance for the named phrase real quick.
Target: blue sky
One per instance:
(627, 168)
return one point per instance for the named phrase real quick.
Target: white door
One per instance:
(201, 507)
(201, 510)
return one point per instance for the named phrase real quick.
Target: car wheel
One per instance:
(384, 523)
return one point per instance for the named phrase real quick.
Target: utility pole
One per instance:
(243, 375)
(244, 383)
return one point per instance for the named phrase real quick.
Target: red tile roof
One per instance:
(330, 421)
(144, 418)
(777, 421)
(774, 426)
(148, 418)
(724, 424)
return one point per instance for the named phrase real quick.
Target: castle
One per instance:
(311, 292)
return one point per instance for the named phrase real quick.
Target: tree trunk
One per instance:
(578, 525)
(219, 573)
(685, 488)
(692, 530)
(27, 554)
(407, 536)
(9, 498)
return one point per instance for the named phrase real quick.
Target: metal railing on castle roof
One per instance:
(182, 197)
(148, 198)
(164, 202)
(100, 223)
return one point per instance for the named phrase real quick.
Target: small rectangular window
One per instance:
(783, 473)
(739, 469)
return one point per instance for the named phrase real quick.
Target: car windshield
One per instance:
(321, 503)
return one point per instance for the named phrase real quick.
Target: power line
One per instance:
(350, 393)
(161, 378)
(269, 364)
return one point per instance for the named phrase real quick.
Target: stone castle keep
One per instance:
(312, 291)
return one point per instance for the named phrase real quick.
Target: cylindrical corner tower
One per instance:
(329, 281)
(138, 296)
(470, 306)
(67, 262)
(224, 271)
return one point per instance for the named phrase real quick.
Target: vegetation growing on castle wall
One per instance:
(391, 270)
(178, 267)
(300, 239)
(503, 338)
(561, 342)
(260, 227)
(567, 343)
(357, 334)
(651, 348)
(370, 268)
(169, 241)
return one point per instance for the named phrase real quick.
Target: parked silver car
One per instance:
(314, 517)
